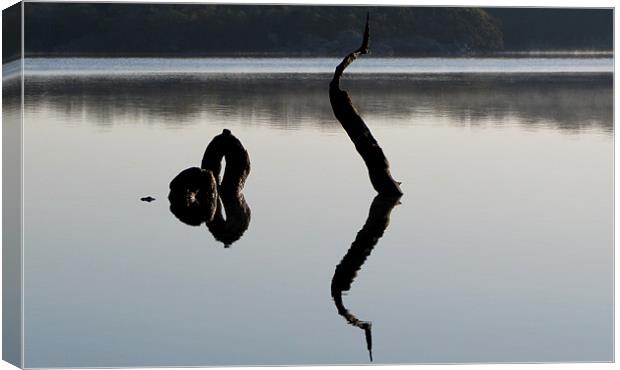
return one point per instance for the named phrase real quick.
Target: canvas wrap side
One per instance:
(12, 240)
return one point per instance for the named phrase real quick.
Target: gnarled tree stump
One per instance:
(197, 195)
(226, 145)
(193, 196)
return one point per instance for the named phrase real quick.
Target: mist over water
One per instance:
(564, 63)
(500, 251)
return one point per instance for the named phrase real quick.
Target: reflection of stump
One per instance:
(237, 220)
(365, 144)
(193, 196)
(346, 271)
(227, 146)
(197, 196)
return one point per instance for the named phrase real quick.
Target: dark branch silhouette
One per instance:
(226, 145)
(197, 195)
(346, 271)
(366, 145)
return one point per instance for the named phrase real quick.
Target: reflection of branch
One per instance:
(346, 271)
(365, 144)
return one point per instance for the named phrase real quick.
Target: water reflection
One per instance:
(560, 101)
(231, 219)
(227, 221)
(346, 271)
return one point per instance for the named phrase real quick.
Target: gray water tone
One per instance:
(499, 251)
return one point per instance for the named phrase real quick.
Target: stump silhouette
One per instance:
(193, 196)
(197, 195)
(365, 144)
(226, 145)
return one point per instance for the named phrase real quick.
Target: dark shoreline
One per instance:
(497, 54)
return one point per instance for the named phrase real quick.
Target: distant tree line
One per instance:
(11, 32)
(201, 29)
(555, 28)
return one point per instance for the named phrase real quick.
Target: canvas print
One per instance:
(239, 185)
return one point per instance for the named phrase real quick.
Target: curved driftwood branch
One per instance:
(346, 271)
(366, 145)
(226, 145)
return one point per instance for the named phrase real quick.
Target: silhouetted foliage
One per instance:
(555, 29)
(11, 33)
(202, 29)
(67, 28)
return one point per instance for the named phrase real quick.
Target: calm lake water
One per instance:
(500, 251)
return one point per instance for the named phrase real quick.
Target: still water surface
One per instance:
(500, 251)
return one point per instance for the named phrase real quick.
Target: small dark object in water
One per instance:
(147, 199)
